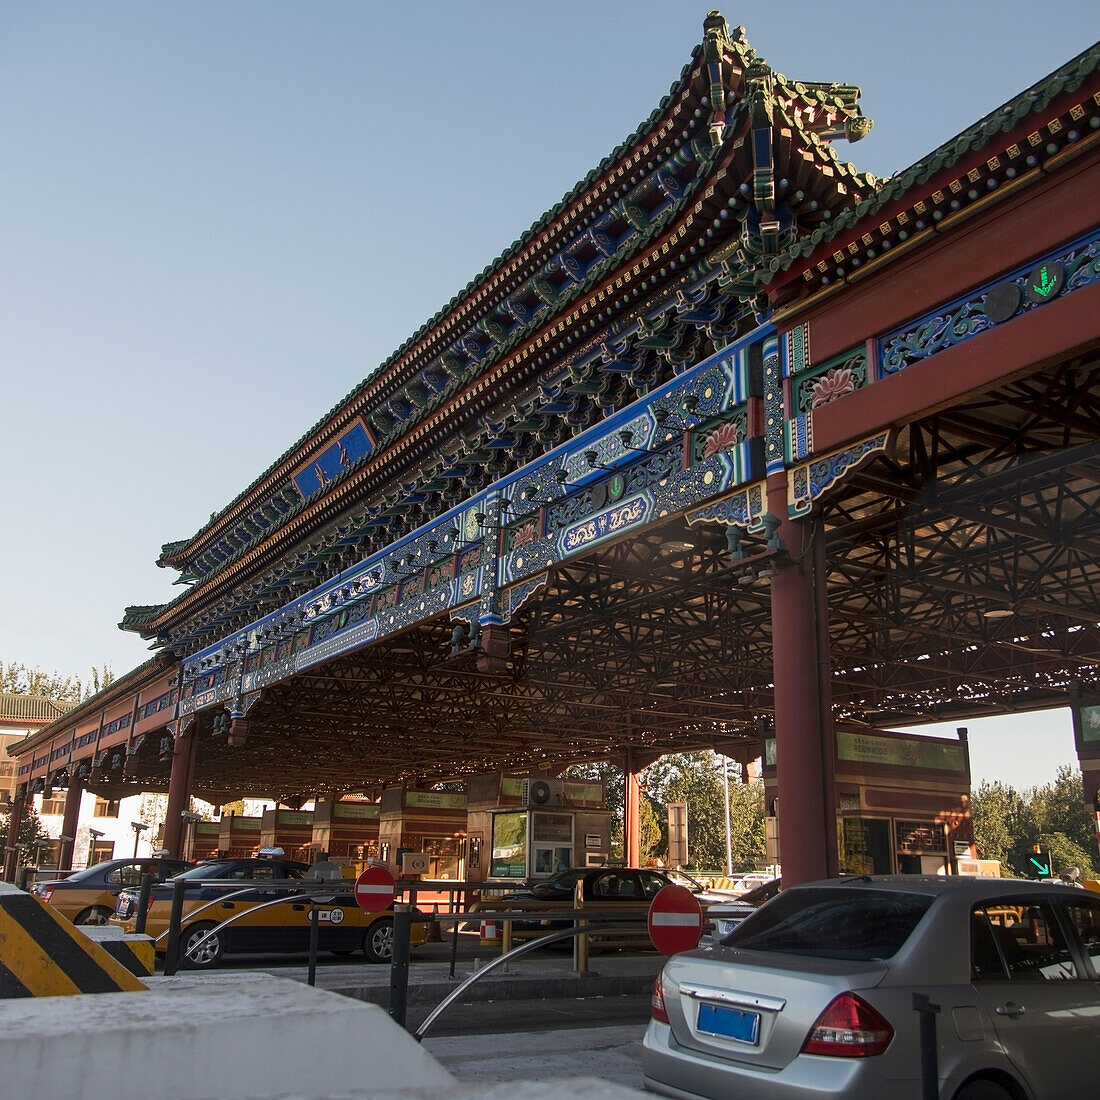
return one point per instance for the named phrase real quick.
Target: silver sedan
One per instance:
(815, 995)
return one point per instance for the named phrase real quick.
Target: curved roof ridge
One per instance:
(642, 130)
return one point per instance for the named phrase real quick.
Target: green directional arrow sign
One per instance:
(1045, 282)
(1040, 863)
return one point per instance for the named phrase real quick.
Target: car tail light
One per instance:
(657, 1001)
(47, 893)
(848, 1028)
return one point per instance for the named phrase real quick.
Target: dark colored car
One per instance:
(815, 995)
(631, 889)
(343, 926)
(89, 896)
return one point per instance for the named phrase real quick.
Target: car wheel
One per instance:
(207, 954)
(94, 914)
(983, 1090)
(378, 942)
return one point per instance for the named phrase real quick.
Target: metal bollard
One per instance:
(314, 918)
(146, 888)
(929, 1063)
(399, 962)
(580, 942)
(172, 950)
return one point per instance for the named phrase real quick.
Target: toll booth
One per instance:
(205, 840)
(347, 830)
(238, 836)
(291, 830)
(432, 823)
(903, 803)
(523, 827)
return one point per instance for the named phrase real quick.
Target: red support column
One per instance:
(632, 822)
(179, 789)
(11, 844)
(69, 822)
(803, 724)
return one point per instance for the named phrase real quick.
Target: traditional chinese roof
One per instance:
(986, 162)
(646, 266)
(31, 710)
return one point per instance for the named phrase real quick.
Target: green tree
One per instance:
(1002, 823)
(1059, 807)
(30, 830)
(20, 679)
(696, 778)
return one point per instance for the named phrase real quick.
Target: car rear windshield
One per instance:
(206, 870)
(833, 923)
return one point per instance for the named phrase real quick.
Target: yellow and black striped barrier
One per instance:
(133, 951)
(44, 955)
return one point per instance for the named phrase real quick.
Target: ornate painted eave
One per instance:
(985, 164)
(654, 252)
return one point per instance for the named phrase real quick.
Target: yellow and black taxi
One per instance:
(90, 896)
(219, 920)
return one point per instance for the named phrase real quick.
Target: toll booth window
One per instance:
(509, 857)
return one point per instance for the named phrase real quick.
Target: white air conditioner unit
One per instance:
(542, 792)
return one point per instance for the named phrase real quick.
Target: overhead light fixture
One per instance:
(998, 613)
(676, 546)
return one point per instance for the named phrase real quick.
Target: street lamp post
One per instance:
(139, 827)
(189, 819)
(93, 835)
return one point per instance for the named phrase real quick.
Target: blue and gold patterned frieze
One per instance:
(798, 349)
(612, 523)
(1027, 288)
(774, 414)
(330, 463)
(640, 464)
(516, 595)
(799, 437)
(745, 509)
(334, 646)
(810, 481)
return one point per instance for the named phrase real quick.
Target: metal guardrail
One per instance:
(318, 892)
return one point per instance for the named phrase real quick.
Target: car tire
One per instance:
(94, 914)
(983, 1090)
(378, 941)
(210, 952)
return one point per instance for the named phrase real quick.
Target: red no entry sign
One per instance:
(675, 920)
(374, 889)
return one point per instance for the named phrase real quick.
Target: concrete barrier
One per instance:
(133, 951)
(44, 955)
(208, 1036)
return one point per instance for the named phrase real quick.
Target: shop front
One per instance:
(431, 824)
(346, 831)
(903, 803)
(238, 836)
(530, 827)
(291, 830)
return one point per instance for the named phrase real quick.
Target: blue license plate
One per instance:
(731, 1023)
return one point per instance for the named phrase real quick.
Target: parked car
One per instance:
(89, 896)
(813, 995)
(724, 916)
(630, 889)
(343, 927)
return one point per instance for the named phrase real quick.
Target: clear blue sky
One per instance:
(217, 218)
